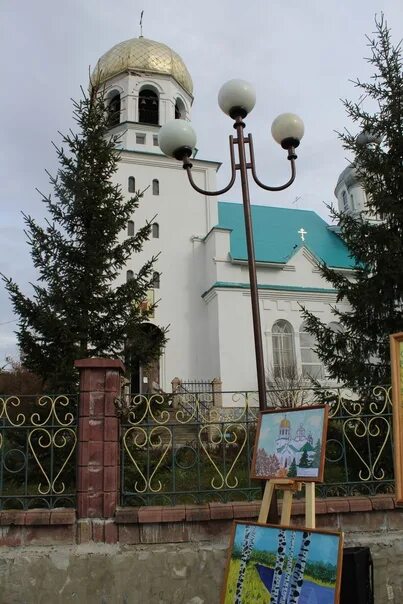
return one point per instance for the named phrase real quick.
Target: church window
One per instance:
(148, 107)
(352, 201)
(180, 111)
(283, 349)
(129, 275)
(156, 187)
(155, 141)
(312, 367)
(156, 230)
(140, 139)
(336, 327)
(345, 201)
(131, 184)
(156, 280)
(114, 110)
(130, 228)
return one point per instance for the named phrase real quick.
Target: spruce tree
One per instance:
(292, 470)
(358, 355)
(77, 310)
(304, 461)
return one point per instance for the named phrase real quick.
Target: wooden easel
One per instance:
(289, 487)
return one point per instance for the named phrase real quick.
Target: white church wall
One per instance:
(236, 345)
(181, 262)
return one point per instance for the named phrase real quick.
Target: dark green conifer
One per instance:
(358, 355)
(77, 310)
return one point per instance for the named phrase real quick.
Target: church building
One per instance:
(201, 279)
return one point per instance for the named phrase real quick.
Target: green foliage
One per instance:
(315, 462)
(359, 355)
(304, 461)
(292, 470)
(253, 588)
(77, 310)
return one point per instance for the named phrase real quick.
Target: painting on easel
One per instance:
(282, 565)
(290, 443)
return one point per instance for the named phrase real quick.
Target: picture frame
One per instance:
(290, 443)
(291, 564)
(396, 365)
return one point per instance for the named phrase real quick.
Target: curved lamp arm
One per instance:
(187, 165)
(291, 156)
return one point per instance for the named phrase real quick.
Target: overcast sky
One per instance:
(299, 55)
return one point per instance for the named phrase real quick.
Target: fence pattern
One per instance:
(37, 451)
(192, 454)
(176, 449)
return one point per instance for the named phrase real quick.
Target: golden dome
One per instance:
(146, 56)
(284, 423)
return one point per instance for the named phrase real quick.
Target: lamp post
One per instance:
(177, 139)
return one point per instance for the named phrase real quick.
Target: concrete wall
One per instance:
(171, 555)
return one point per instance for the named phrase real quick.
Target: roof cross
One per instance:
(302, 232)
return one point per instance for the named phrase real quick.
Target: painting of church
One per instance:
(291, 444)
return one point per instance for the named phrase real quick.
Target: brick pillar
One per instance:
(98, 470)
(217, 392)
(176, 382)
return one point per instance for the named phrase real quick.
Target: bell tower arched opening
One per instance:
(113, 109)
(148, 107)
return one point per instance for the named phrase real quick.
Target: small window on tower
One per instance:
(180, 111)
(345, 201)
(131, 184)
(156, 230)
(156, 280)
(156, 187)
(155, 141)
(129, 275)
(130, 228)
(141, 139)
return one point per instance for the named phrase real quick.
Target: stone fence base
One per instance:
(164, 555)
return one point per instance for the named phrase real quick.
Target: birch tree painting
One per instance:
(279, 565)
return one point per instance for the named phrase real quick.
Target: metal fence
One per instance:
(185, 454)
(37, 451)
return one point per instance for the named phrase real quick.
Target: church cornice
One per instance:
(166, 161)
(271, 288)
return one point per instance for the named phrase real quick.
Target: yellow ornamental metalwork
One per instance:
(180, 448)
(163, 433)
(37, 444)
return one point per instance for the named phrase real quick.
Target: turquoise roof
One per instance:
(276, 235)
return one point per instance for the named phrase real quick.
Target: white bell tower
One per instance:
(147, 85)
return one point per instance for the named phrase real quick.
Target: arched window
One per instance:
(345, 201)
(148, 107)
(336, 327)
(129, 275)
(156, 187)
(130, 228)
(311, 364)
(283, 349)
(180, 111)
(156, 280)
(114, 110)
(156, 230)
(131, 184)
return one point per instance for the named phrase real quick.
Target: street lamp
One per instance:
(178, 139)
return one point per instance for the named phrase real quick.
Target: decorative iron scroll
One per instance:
(37, 448)
(175, 449)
